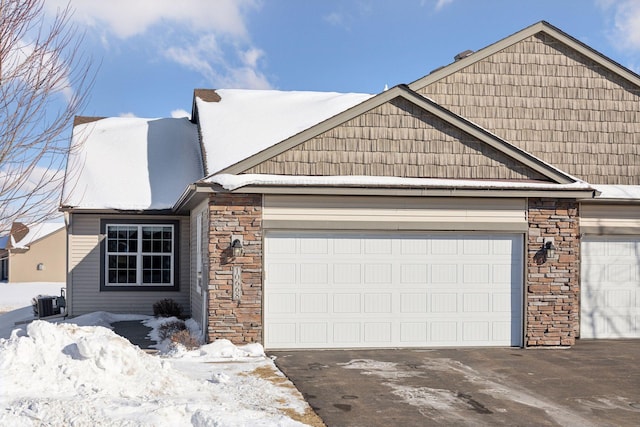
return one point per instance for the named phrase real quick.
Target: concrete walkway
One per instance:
(595, 383)
(135, 331)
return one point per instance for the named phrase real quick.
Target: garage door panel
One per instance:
(610, 294)
(347, 333)
(382, 290)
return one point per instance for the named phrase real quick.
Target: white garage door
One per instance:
(339, 290)
(610, 292)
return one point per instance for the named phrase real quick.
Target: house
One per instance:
(493, 202)
(34, 253)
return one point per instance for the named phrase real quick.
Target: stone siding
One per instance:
(552, 290)
(238, 320)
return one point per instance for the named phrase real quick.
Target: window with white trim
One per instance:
(139, 255)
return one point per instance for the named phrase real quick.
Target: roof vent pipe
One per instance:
(462, 55)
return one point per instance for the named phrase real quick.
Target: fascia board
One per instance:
(417, 192)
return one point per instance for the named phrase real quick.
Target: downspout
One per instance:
(68, 220)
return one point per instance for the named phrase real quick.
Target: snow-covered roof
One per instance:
(245, 122)
(131, 163)
(36, 232)
(234, 182)
(618, 192)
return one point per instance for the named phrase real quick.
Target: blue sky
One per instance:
(151, 54)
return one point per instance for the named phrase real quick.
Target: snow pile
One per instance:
(66, 374)
(245, 122)
(131, 163)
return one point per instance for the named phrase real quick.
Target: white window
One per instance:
(139, 254)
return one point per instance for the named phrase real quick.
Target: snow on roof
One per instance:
(131, 163)
(233, 182)
(618, 192)
(245, 122)
(37, 232)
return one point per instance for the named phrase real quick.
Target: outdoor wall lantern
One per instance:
(549, 250)
(40, 267)
(236, 248)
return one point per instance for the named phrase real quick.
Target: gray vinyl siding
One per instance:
(84, 270)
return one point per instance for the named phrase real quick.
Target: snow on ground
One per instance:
(78, 372)
(17, 295)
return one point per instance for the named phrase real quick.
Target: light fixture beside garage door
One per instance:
(549, 249)
(236, 248)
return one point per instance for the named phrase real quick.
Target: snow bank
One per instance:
(66, 374)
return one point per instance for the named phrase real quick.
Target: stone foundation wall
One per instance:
(552, 285)
(238, 317)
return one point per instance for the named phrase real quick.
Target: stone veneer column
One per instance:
(239, 321)
(552, 288)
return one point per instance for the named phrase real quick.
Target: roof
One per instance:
(146, 164)
(36, 232)
(131, 163)
(402, 91)
(541, 26)
(244, 122)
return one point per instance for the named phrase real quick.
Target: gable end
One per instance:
(399, 139)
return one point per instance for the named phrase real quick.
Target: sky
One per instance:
(149, 55)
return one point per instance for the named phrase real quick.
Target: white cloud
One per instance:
(208, 37)
(129, 114)
(126, 18)
(442, 3)
(230, 68)
(626, 23)
(251, 56)
(179, 113)
(335, 18)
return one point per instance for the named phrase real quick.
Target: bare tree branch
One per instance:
(44, 81)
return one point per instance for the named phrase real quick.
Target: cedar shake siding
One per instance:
(397, 139)
(546, 98)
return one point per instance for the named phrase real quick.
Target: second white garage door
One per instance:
(340, 290)
(610, 293)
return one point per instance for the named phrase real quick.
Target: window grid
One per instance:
(139, 255)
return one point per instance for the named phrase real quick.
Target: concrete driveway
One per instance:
(595, 383)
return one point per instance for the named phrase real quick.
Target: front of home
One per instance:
(493, 202)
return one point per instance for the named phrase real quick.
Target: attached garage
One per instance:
(610, 302)
(610, 271)
(350, 290)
